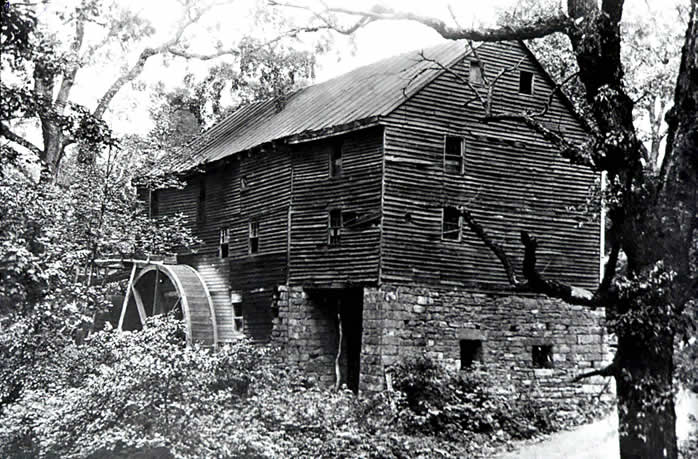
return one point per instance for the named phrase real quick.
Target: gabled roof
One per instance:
(360, 96)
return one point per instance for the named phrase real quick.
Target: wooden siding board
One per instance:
(513, 181)
(358, 189)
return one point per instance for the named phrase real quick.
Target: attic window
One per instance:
(454, 152)
(475, 76)
(335, 227)
(253, 237)
(223, 242)
(470, 351)
(542, 356)
(451, 223)
(336, 169)
(526, 82)
(201, 210)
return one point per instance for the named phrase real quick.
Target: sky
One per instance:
(369, 44)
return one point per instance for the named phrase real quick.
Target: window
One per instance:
(244, 183)
(526, 82)
(470, 351)
(201, 210)
(336, 160)
(542, 355)
(451, 223)
(254, 237)
(335, 227)
(454, 152)
(153, 203)
(238, 319)
(223, 242)
(475, 76)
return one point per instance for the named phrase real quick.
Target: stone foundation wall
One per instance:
(405, 321)
(307, 332)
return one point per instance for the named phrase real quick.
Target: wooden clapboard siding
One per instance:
(513, 180)
(266, 199)
(312, 262)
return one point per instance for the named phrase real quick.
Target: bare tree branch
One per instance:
(606, 371)
(552, 288)
(8, 134)
(536, 28)
(69, 75)
(497, 249)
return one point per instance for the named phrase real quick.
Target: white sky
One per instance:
(369, 44)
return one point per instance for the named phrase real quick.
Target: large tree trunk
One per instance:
(645, 398)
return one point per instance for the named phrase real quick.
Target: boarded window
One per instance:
(451, 223)
(238, 319)
(223, 242)
(335, 227)
(542, 355)
(254, 236)
(470, 351)
(475, 76)
(336, 159)
(526, 82)
(454, 152)
(201, 209)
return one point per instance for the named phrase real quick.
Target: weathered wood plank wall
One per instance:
(512, 180)
(357, 192)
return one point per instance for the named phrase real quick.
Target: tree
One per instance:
(44, 68)
(652, 211)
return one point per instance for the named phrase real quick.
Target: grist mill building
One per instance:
(337, 207)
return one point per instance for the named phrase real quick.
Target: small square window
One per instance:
(526, 82)
(475, 76)
(223, 242)
(470, 351)
(451, 224)
(454, 152)
(542, 355)
(254, 237)
(335, 227)
(336, 168)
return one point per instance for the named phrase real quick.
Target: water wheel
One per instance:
(157, 288)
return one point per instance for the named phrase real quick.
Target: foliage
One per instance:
(126, 393)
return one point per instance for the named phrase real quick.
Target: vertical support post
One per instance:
(337, 368)
(156, 291)
(127, 297)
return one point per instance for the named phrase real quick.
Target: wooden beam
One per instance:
(126, 298)
(139, 305)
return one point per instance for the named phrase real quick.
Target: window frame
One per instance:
(238, 317)
(334, 227)
(542, 356)
(443, 225)
(477, 356)
(224, 242)
(336, 160)
(461, 155)
(253, 237)
(476, 77)
(531, 83)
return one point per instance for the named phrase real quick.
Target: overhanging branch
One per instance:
(8, 134)
(609, 370)
(535, 28)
